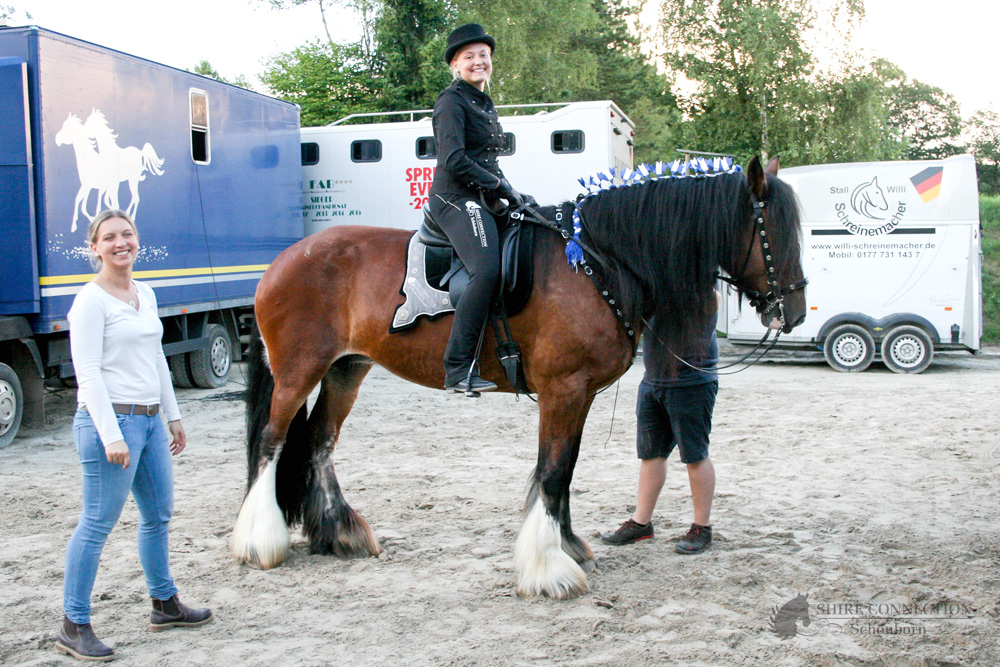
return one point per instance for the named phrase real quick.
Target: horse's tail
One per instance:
(151, 161)
(294, 465)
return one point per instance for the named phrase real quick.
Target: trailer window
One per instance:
(201, 147)
(426, 148)
(568, 141)
(366, 150)
(509, 144)
(310, 153)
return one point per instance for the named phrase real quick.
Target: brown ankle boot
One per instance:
(80, 642)
(173, 613)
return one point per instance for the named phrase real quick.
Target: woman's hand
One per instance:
(179, 440)
(506, 191)
(117, 452)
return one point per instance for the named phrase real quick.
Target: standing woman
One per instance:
(469, 139)
(124, 382)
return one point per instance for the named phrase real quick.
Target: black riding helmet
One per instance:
(467, 34)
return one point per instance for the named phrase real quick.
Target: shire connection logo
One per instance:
(871, 208)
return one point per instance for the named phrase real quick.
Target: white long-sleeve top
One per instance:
(118, 356)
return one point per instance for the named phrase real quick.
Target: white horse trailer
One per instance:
(892, 253)
(380, 173)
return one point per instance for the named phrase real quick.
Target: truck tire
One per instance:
(210, 368)
(907, 349)
(179, 371)
(849, 348)
(11, 405)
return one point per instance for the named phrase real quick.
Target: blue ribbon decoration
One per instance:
(622, 177)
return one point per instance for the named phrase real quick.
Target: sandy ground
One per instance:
(867, 492)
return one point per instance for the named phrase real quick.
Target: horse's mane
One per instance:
(96, 122)
(665, 238)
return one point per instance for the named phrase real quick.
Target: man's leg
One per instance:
(701, 475)
(652, 475)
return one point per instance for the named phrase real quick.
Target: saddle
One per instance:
(436, 278)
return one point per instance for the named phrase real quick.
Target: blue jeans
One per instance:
(105, 489)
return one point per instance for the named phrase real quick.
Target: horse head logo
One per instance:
(868, 199)
(103, 165)
(783, 619)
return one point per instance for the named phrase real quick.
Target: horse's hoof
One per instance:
(260, 536)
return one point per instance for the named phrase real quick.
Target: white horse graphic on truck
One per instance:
(103, 165)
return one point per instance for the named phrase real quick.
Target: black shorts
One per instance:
(669, 416)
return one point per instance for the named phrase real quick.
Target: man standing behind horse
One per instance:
(674, 409)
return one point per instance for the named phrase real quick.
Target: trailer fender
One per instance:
(878, 327)
(861, 319)
(890, 322)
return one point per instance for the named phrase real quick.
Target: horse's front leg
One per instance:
(547, 554)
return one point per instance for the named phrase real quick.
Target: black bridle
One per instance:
(775, 297)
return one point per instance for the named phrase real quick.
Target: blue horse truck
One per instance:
(210, 172)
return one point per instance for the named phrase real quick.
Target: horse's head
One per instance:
(97, 125)
(771, 271)
(868, 199)
(71, 129)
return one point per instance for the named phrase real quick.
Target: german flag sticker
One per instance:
(928, 183)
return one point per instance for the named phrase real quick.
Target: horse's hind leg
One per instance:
(547, 553)
(332, 525)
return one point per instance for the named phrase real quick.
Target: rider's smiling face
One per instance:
(474, 64)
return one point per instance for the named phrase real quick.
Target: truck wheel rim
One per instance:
(220, 357)
(8, 407)
(907, 351)
(850, 349)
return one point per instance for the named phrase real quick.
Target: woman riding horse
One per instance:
(325, 306)
(469, 139)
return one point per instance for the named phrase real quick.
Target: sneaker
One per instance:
(629, 532)
(697, 540)
(476, 384)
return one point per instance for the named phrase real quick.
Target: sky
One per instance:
(948, 44)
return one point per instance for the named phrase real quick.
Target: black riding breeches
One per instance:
(472, 230)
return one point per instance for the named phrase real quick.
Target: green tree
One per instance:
(926, 119)
(756, 88)
(205, 69)
(408, 52)
(329, 81)
(749, 66)
(535, 59)
(984, 132)
(625, 76)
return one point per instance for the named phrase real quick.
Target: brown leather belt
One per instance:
(129, 409)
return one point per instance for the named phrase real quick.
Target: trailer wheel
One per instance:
(11, 405)
(849, 348)
(210, 368)
(907, 349)
(179, 370)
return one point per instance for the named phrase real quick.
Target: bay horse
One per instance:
(324, 307)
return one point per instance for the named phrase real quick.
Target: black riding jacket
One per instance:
(469, 138)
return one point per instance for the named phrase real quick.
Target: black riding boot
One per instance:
(173, 613)
(80, 642)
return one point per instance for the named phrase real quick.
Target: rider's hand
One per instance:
(507, 191)
(529, 200)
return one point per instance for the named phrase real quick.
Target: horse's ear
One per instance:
(772, 167)
(756, 180)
